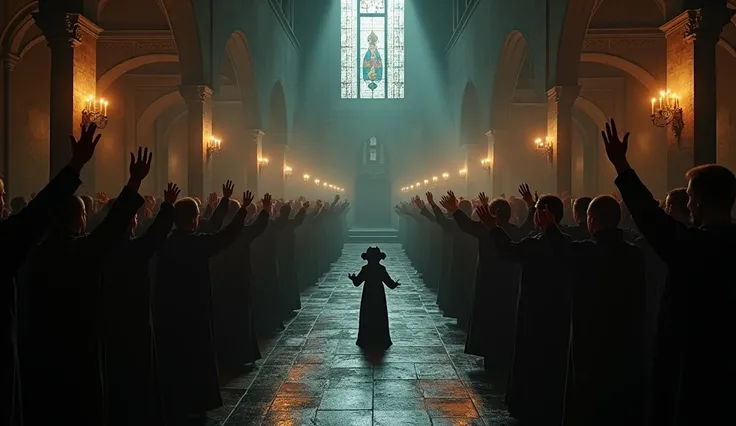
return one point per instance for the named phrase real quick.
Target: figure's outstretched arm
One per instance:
(390, 283)
(357, 279)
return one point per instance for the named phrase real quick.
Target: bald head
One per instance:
(604, 213)
(186, 214)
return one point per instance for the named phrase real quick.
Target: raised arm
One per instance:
(357, 279)
(468, 225)
(505, 246)
(158, 232)
(388, 281)
(301, 215)
(526, 195)
(257, 227)
(214, 223)
(214, 243)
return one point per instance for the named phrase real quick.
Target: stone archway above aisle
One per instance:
(592, 111)
(108, 77)
(629, 67)
(510, 63)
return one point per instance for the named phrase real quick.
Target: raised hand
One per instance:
(139, 167)
(305, 205)
(430, 198)
(486, 217)
(418, 203)
(526, 195)
(227, 189)
(171, 193)
(212, 200)
(616, 147)
(483, 199)
(352, 277)
(84, 148)
(267, 202)
(452, 202)
(247, 199)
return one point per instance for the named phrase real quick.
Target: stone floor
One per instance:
(313, 374)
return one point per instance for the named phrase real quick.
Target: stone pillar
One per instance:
(477, 177)
(72, 39)
(273, 176)
(493, 153)
(199, 125)
(253, 153)
(9, 62)
(692, 37)
(560, 100)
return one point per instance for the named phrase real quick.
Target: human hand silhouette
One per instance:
(84, 147)
(171, 193)
(247, 199)
(486, 216)
(139, 167)
(616, 147)
(227, 189)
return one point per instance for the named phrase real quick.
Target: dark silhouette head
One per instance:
(105, 210)
(17, 204)
(501, 209)
(232, 209)
(675, 205)
(552, 203)
(466, 207)
(285, 211)
(604, 213)
(186, 214)
(88, 203)
(373, 255)
(711, 190)
(580, 210)
(72, 218)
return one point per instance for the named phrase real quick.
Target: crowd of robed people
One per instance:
(621, 316)
(129, 311)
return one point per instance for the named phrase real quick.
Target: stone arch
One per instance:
(238, 52)
(625, 65)
(592, 111)
(470, 124)
(512, 58)
(153, 111)
(276, 128)
(183, 22)
(108, 77)
(574, 26)
(15, 31)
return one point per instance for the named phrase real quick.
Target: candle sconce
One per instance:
(463, 173)
(667, 111)
(213, 147)
(262, 162)
(545, 146)
(445, 176)
(305, 177)
(287, 172)
(95, 111)
(435, 179)
(486, 164)
(316, 182)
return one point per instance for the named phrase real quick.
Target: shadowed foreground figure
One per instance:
(373, 332)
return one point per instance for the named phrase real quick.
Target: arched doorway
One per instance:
(373, 187)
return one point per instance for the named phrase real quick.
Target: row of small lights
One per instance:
(326, 185)
(433, 180)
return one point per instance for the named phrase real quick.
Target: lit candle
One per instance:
(660, 102)
(105, 114)
(653, 105)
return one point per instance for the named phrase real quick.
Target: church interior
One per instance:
(375, 102)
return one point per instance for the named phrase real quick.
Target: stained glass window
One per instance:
(372, 49)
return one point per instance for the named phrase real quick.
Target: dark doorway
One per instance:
(373, 201)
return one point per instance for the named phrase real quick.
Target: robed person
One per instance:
(286, 254)
(464, 261)
(607, 382)
(182, 310)
(235, 334)
(131, 379)
(269, 311)
(62, 323)
(537, 387)
(18, 234)
(579, 230)
(693, 343)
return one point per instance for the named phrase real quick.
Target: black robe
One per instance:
(131, 380)
(537, 388)
(286, 256)
(235, 335)
(373, 329)
(462, 269)
(62, 323)
(577, 232)
(693, 344)
(18, 234)
(182, 318)
(269, 311)
(609, 303)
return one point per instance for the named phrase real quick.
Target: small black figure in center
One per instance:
(373, 330)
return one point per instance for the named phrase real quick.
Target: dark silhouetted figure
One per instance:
(373, 331)
(606, 384)
(696, 320)
(537, 389)
(131, 381)
(675, 205)
(286, 254)
(62, 323)
(579, 231)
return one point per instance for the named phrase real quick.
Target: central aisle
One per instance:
(313, 373)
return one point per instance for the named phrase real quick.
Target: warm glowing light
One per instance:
(445, 176)
(418, 184)
(305, 177)
(462, 172)
(317, 181)
(435, 179)
(412, 187)
(263, 161)
(426, 181)
(287, 170)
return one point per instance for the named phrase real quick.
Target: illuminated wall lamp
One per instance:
(287, 172)
(262, 162)
(445, 176)
(667, 112)
(306, 178)
(545, 146)
(435, 179)
(213, 147)
(463, 173)
(95, 111)
(486, 164)
(316, 182)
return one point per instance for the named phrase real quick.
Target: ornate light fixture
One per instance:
(306, 178)
(213, 147)
(667, 111)
(287, 172)
(95, 111)
(426, 182)
(445, 176)
(316, 182)
(486, 164)
(545, 146)
(463, 173)
(262, 162)
(435, 179)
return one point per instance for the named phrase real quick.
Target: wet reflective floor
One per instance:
(312, 373)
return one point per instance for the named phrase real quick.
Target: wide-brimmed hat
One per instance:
(373, 253)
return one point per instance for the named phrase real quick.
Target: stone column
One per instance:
(199, 125)
(273, 176)
(692, 37)
(253, 153)
(493, 153)
(72, 39)
(477, 177)
(9, 62)
(560, 100)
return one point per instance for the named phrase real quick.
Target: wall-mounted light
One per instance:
(435, 179)
(411, 187)
(287, 172)
(667, 111)
(262, 162)
(213, 147)
(306, 178)
(445, 176)
(95, 111)
(426, 182)
(486, 164)
(463, 173)
(316, 181)
(545, 146)
(418, 185)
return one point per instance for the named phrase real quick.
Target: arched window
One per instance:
(372, 49)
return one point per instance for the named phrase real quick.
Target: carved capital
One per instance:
(199, 94)
(10, 61)
(69, 28)
(563, 95)
(704, 24)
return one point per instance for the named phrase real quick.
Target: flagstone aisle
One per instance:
(313, 374)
